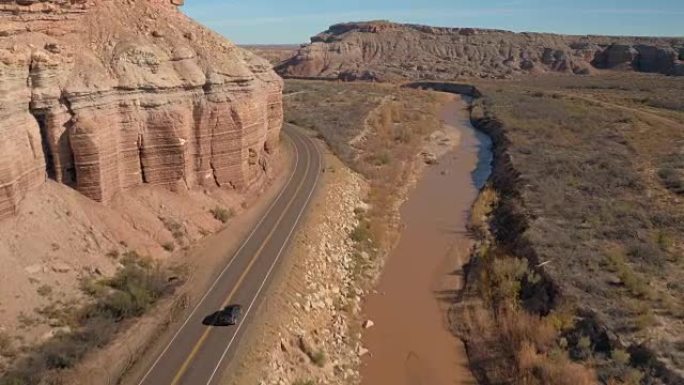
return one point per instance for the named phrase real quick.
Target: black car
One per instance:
(228, 316)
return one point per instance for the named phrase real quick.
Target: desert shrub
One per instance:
(381, 158)
(645, 252)
(6, 346)
(169, 246)
(672, 178)
(303, 382)
(221, 214)
(44, 290)
(133, 290)
(175, 227)
(502, 280)
(633, 281)
(129, 293)
(318, 358)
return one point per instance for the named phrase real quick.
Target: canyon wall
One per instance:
(387, 51)
(108, 95)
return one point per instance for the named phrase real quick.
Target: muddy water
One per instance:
(410, 343)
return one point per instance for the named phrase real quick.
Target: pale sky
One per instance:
(294, 21)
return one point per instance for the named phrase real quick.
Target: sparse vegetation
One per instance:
(318, 358)
(6, 345)
(169, 246)
(44, 290)
(375, 129)
(176, 228)
(671, 172)
(221, 214)
(587, 194)
(303, 382)
(130, 293)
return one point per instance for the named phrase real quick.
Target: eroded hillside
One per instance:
(387, 51)
(127, 131)
(110, 95)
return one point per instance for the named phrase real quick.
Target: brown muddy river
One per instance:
(410, 343)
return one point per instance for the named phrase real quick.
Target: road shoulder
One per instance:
(312, 305)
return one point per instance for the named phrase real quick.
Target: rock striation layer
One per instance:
(382, 51)
(108, 95)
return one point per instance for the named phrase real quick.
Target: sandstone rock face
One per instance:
(388, 51)
(108, 95)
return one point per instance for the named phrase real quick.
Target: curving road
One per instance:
(196, 354)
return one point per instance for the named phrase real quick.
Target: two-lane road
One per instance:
(197, 353)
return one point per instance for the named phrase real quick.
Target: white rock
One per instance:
(368, 324)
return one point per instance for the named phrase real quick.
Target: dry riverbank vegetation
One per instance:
(377, 130)
(577, 276)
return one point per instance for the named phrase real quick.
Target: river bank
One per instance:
(410, 342)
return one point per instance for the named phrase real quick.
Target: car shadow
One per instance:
(210, 320)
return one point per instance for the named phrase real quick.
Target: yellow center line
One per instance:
(206, 333)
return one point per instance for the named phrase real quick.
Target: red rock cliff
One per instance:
(108, 95)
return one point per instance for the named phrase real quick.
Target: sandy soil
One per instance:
(410, 343)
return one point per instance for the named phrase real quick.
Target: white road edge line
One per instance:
(270, 270)
(206, 294)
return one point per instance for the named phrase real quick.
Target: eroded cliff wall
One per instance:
(387, 51)
(107, 95)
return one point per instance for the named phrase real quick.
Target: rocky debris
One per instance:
(429, 158)
(60, 267)
(368, 324)
(105, 96)
(322, 341)
(387, 51)
(54, 332)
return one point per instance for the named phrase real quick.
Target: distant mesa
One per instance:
(386, 51)
(105, 96)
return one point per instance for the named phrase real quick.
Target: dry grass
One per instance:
(598, 207)
(134, 289)
(375, 129)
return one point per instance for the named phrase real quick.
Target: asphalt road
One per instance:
(197, 353)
